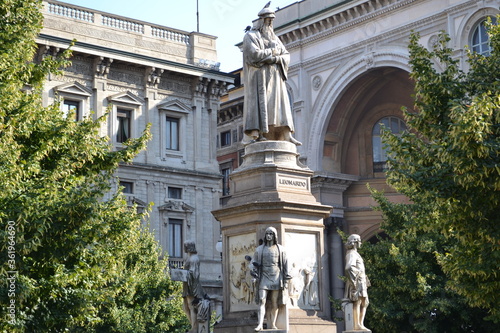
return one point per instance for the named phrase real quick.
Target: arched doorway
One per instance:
(373, 97)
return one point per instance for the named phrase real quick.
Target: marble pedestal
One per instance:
(349, 319)
(272, 188)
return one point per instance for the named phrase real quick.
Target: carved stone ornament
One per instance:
(177, 206)
(154, 76)
(317, 81)
(102, 66)
(369, 60)
(433, 41)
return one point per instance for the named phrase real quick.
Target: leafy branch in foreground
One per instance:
(448, 164)
(83, 260)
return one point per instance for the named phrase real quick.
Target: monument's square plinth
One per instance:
(272, 189)
(271, 171)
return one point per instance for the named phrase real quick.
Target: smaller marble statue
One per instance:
(271, 270)
(196, 303)
(357, 282)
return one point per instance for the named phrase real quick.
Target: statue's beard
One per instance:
(268, 32)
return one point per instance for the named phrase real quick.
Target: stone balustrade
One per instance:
(117, 22)
(169, 34)
(175, 263)
(71, 12)
(125, 37)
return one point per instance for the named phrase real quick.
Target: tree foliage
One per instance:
(73, 255)
(409, 290)
(449, 163)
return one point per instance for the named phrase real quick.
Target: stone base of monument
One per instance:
(348, 315)
(203, 327)
(349, 320)
(273, 189)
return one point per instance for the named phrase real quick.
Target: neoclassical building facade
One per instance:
(349, 73)
(136, 73)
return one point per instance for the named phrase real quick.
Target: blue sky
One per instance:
(225, 19)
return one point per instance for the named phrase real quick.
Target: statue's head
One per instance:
(267, 12)
(352, 240)
(266, 17)
(190, 246)
(271, 231)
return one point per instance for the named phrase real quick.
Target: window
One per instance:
(175, 192)
(235, 135)
(480, 41)
(240, 133)
(175, 238)
(172, 133)
(126, 108)
(74, 99)
(128, 187)
(225, 181)
(123, 120)
(225, 139)
(176, 126)
(71, 108)
(396, 126)
(241, 154)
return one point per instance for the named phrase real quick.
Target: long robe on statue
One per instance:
(266, 101)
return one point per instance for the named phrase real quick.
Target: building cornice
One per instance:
(295, 34)
(338, 21)
(171, 170)
(338, 181)
(370, 41)
(98, 50)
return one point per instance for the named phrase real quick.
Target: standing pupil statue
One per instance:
(266, 109)
(357, 282)
(271, 269)
(196, 303)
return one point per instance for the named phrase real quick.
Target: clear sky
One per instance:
(225, 19)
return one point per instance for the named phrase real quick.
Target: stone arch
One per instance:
(354, 122)
(372, 231)
(291, 88)
(466, 28)
(335, 86)
(372, 238)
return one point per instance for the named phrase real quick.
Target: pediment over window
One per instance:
(127, 98)
(174, 105)
(139, 203)
(74, 88)
(187, 208)
(131, 201)
(176, 206)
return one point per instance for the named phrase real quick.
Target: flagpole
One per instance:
(197, 18)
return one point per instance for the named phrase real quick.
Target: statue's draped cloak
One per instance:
(357, 282)
(272, 266)
(266, 101)
(193, 286)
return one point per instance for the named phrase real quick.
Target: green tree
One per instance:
(73, 256)
(449, 163)
(409, 291)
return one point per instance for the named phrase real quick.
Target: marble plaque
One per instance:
(303, 288)
(177, 274)
(242, 285)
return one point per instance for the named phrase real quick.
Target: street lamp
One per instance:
(218, 246)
